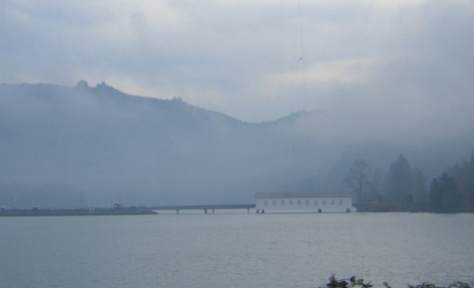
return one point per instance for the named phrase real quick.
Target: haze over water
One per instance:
(235, 250)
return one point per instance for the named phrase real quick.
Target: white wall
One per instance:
(325, 204)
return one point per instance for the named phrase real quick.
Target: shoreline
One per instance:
(77, 212)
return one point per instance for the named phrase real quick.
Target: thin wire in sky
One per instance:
(300, 63)
(300, 31)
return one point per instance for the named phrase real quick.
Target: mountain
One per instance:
(88, 146)
(74, 146)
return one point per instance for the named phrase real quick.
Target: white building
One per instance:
(303, 202)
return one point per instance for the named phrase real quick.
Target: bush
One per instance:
(355, 282)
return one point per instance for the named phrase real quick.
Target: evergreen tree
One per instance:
(420, 191)
(404, 187)
(463, 175)
(444, 195)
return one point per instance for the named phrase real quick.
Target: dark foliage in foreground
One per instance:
(354, 282)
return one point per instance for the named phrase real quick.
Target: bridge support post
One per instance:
(177, 211)
(205, 211)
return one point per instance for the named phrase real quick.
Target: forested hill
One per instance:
(88, 146)
(96, 146)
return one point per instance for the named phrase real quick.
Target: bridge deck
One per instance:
(205, 208)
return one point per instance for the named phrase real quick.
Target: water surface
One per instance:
(235, 250)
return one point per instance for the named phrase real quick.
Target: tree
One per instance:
(420, 190)
(399, 183)
(404, 187)
(363, 181)
(463, 175)
(444, 195)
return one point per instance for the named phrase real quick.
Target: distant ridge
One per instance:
(83, 146)
(105, 145)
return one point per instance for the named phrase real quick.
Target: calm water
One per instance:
(235, 250)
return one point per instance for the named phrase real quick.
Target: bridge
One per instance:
(204, 208)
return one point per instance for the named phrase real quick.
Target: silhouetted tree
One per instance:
(363, 181)
(399, 183)
(463, 175)
(420, 190)
(444, 195)
(404, 187)
(82, 84)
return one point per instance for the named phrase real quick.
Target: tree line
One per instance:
(404, 188)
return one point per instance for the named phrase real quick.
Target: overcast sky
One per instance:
(254, 60)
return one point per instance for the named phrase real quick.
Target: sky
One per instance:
(408, 61)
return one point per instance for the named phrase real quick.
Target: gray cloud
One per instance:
(241, 57)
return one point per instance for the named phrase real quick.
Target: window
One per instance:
(282, 202)
(265, 203)
(315, 202)
(324, 201)
(291, 202)
(307, 201)
(340, 201)
(274, 202)
(299, 202)
(332, 201)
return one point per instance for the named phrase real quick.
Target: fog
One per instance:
(404, 59)
(94, 146)
(230, 98)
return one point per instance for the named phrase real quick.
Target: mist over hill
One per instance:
(88, 146)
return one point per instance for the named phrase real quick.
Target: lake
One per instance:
(235, 250)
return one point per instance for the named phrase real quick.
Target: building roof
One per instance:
(271, 195)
